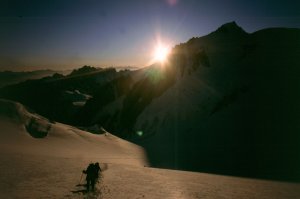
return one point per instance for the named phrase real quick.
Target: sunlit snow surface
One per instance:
(50, 167)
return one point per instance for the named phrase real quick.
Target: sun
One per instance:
(161, 53)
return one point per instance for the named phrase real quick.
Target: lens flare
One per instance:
(161, 53)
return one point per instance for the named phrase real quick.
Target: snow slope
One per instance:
(61, 140)
(34, 150)
(50, 167)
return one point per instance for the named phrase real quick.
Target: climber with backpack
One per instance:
(91, 176)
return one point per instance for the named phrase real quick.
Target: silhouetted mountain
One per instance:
(230, 29)
(227, 102)
(9, 77)
(59, 97)
(84, 70)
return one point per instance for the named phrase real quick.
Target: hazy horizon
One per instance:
(63, 35)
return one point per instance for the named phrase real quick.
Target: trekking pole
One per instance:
(80, 178)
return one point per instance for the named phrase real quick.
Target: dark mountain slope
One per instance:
(238, 116)
(55, 97)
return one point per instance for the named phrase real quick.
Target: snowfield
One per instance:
(51, 166)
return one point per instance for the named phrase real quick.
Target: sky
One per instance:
(66, 34)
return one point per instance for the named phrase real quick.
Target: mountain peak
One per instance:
(230, 28)
(231, 24)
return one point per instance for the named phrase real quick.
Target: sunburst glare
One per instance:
(161, 53)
